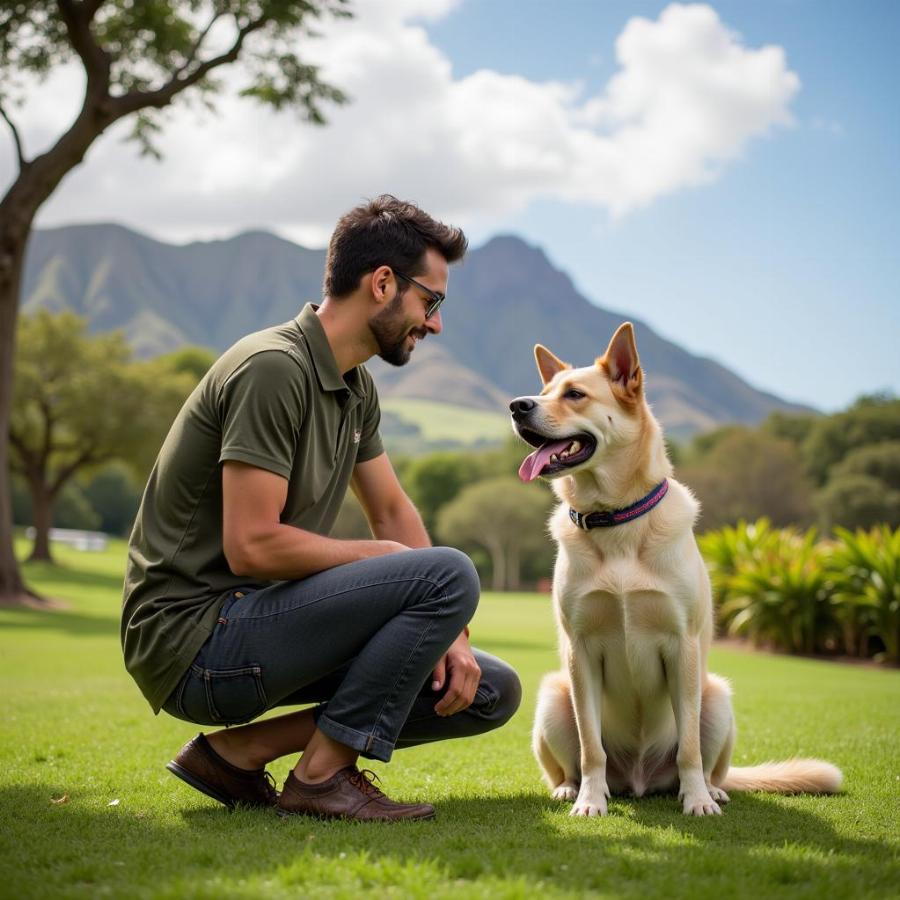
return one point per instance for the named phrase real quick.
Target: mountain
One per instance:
(505, 297)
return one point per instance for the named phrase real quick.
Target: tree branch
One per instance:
(90, 8)
(68, 471)
(135, 100)
(16, 137)
(197, 44)
(77, 17)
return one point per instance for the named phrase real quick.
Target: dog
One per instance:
(634, 710)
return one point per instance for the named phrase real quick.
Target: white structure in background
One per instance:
(80, 540)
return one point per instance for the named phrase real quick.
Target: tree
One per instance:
(857, 501)
(870, 420)
(193, 361)
(434, 480)
(881, 461)
(79, 403)
(747, 475)
(138, 57)
(502, 515)
(114, 494)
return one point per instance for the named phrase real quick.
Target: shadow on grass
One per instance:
(54, 575)
(66, 621)
(643, 848)
(58, 581)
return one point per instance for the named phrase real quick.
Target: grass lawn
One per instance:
(74, 724)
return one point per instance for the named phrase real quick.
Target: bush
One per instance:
(865, 580)
(730, 549)
(782, 597)
(784, 588)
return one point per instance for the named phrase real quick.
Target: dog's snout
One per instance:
(521, 407)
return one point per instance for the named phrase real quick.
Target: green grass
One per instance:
(73, 723)
(446, 422)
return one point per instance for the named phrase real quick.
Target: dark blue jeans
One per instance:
(361, 640)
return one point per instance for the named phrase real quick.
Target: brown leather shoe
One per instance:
(348, 794)
(202, 768)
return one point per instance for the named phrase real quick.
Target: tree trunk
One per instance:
(42, 515)
(498, 564)
(12, 252)
(36, 181)
(513, 567)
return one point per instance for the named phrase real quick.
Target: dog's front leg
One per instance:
(684, 675)
(586, 672)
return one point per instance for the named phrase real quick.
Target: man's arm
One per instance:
(392, 516)
(257, 544)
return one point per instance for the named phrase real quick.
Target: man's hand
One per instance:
(459, 665)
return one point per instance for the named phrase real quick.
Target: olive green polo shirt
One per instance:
(275, 400)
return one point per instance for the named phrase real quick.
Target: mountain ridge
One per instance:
(505, 297)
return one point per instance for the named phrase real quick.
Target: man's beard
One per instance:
(390, 331)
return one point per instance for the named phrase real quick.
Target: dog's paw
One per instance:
(700, 805)
(591, 801)
(718, 794)
(565, 791)
(589, 807)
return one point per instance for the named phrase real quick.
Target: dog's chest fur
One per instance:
(625, 595)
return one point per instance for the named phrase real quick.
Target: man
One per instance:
(235, 599)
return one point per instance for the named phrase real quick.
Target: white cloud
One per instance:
(686, 99)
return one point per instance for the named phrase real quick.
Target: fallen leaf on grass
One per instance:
(58, 801)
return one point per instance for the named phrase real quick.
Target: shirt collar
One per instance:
(322, 355)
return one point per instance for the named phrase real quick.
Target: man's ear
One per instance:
(622, 364)
(548, 365)
(380, 283)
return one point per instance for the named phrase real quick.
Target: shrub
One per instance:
(782, 596)
(864, 569)
(731, 548)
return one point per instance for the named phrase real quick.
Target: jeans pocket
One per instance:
(234, 695)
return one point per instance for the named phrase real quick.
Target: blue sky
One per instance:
(787, 268)
(726, 172)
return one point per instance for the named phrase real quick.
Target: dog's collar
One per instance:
(608, 518)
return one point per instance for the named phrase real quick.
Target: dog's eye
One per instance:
(573, 394)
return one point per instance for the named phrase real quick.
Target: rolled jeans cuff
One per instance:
(368, 745)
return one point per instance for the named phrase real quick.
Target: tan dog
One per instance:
(634, 709)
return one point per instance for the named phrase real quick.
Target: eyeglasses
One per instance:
(435, 298)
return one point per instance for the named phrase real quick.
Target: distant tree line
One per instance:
(829, 471)
(88, 420)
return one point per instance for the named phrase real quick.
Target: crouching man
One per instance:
(236, 601)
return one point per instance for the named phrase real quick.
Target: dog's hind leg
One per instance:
(555, 737)
(717, 734)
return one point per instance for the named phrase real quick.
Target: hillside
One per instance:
(503, 299)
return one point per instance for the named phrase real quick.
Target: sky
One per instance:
(725, 172)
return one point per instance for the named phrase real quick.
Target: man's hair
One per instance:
(386, 232)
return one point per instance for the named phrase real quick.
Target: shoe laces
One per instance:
(364, 780)
(269, 786)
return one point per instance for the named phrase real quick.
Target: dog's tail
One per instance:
(793, 776)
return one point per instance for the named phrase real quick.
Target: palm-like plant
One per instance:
(730, 549)
(864, 568)
(783, 594)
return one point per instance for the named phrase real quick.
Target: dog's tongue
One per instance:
(534, 462)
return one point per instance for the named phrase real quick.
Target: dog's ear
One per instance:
(548, 365)
(622, 364)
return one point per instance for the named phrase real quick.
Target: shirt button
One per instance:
(238, 594)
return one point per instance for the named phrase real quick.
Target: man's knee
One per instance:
(456, 576)
(500, 691)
